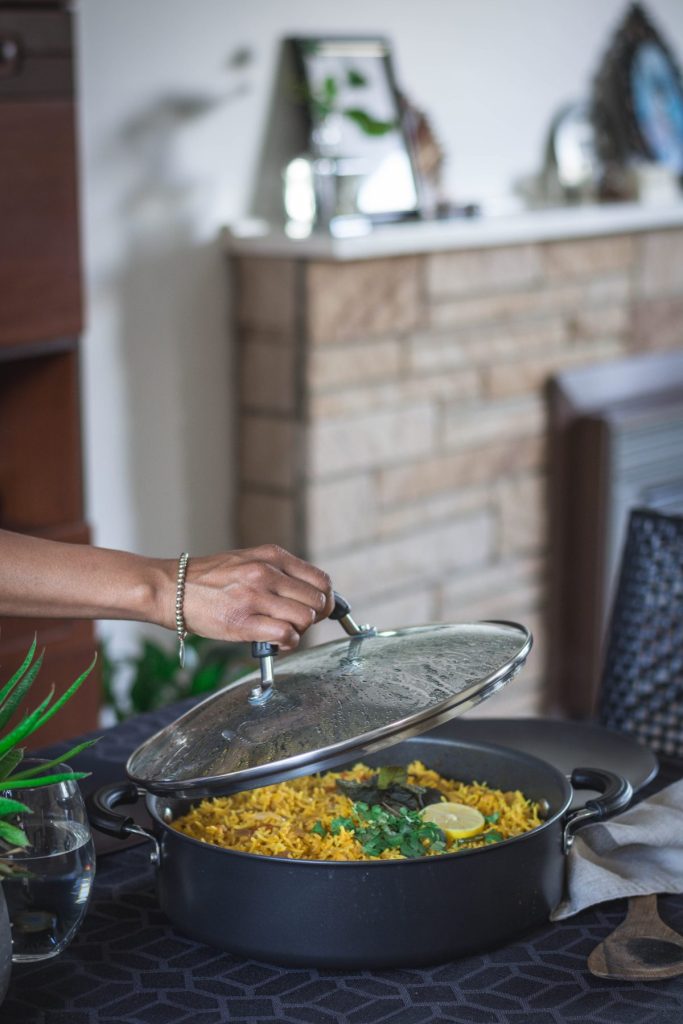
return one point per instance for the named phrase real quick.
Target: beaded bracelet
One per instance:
(179, 596)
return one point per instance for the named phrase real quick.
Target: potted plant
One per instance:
(13, 695)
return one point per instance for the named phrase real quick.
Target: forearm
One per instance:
(48, 579)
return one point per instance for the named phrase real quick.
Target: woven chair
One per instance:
(642, 685)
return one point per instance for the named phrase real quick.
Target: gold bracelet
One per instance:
(179, 596)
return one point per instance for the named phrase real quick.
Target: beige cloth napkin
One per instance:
(637, 853)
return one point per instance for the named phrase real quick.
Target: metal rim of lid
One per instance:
(339, 753)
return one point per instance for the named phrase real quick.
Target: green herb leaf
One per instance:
(337, 824)
(391, 775)
(492, 819)
(319, 829)
(492, 837)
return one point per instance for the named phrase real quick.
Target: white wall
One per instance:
(171, 132)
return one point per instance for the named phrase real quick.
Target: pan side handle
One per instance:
(100, 806)
(616, 794)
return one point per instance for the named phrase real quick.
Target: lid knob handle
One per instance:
(341, 613)
(265, 652)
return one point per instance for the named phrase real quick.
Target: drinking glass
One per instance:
(47, 896)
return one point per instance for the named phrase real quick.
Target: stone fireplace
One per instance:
(392, 401)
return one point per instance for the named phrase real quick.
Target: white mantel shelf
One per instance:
(481, 232)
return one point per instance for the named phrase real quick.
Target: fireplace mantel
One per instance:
(572, 222)
(392, 400)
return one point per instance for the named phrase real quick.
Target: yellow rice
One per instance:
(277, 820)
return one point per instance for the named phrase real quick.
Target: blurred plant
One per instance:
(325, 100)
(12, 696)
(156, 678)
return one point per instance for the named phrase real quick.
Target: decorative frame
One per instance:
(638, 98)
(355, 121)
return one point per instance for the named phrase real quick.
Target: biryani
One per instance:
(363, 813)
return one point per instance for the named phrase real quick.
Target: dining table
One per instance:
(128, 965)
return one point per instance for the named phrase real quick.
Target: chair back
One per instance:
(642, 684)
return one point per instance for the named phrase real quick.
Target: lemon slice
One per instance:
(458, 821)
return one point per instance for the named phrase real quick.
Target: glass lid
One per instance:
(329, 705)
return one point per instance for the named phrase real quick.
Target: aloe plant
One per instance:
(12, 697)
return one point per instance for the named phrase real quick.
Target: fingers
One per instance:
(300, 581)
(262, 593)
(272, 631)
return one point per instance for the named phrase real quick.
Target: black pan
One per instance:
(361, 914)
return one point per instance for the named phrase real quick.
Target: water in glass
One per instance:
(47, 894)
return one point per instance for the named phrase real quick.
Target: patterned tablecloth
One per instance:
(128, 966)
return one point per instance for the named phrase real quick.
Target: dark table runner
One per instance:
(128, 966)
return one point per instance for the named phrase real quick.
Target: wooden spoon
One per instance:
(642, 948)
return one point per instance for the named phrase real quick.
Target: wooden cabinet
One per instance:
(41, 487)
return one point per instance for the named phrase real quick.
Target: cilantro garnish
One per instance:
(377, 830)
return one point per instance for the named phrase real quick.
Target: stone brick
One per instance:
(266, 294)
(441, 473)
(531, 374)
(587, 257)
(659, 268)
(267, 519)
(362, 299)
(482, 346)
(429, 555)
(518, 417)
(339, 513)
(446, 386)
(429, 352)
(658, 323)
(523, 514)
(482, 270)
(503, 589)
(268, 374)
(270, 451)
(393, 519)
(504, 308)
(587, 323)
(362, 442)
(353, 364)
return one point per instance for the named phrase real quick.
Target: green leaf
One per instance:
(492, 837)
(369, 124)
(64, 759)
(27, 726)
(9, 686)
(12, 835)
(355, 79)
(330, 89)
(45, 780)
(319, 829)
(390, 775)
(9, 806)
(492, 819)
(10, 761)
(14, 699)
(207, 678)
(67, 695)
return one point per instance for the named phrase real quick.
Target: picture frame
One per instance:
(354, 116)
(637, 104)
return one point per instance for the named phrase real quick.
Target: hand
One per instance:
(262, 593)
